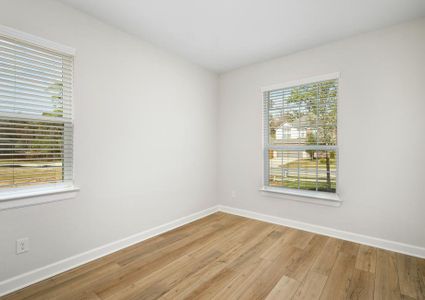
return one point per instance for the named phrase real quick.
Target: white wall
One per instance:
(145, 140)
(381, 133)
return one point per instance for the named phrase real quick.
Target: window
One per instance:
(36, 127)
(300, 123)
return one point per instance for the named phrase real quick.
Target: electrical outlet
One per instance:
(22, 245)
(233, 194)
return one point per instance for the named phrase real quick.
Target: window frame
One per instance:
(44, 192)
(317, 197)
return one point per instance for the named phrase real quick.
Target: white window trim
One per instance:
(22, 197)
(35, 40)
(329, 76)
(43, 193)
(323, 198)
(315, 197)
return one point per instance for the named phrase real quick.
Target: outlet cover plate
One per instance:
(22, 245)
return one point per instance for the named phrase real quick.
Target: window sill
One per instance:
(322, 198)
(34, 196)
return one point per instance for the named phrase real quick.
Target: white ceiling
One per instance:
(225, 34)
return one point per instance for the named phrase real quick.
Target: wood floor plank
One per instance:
(88, 296)
(224, 256)
(350, 248)
(386, 278)
(312, 286)
(366, 259)
(298, 238)
(275, 250)
(339, 279)
(408, 275)
(251, 285)
(327, 257)
(362, 285)
(302, 261)
(420, 263)
(259, 284)
(404, 297)
(285, 288)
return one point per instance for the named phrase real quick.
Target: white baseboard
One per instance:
(15, 283)
(10, 285)
(343, 235)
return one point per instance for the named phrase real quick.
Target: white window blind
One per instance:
(300, 123)
(36, 126)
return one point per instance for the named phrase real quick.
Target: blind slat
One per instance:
(30, 82)
(30, 50)
(13, 60)
(30, 72)
(32, 58)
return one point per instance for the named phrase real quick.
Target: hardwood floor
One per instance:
(224, 256)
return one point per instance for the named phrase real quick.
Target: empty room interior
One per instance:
(212, 149)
